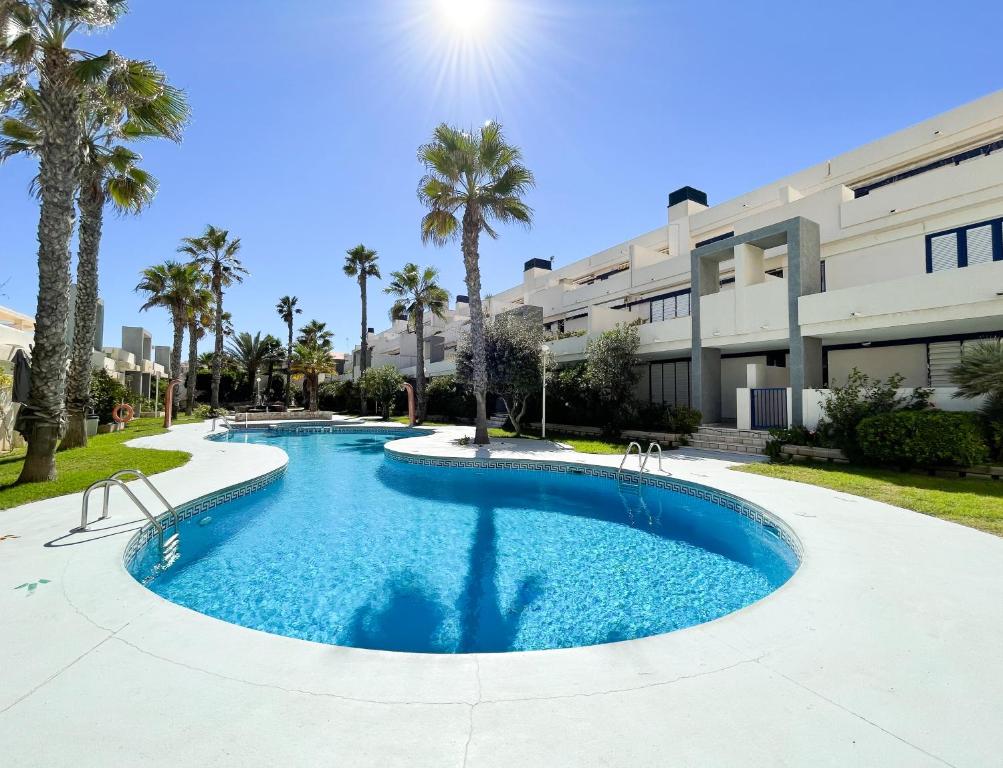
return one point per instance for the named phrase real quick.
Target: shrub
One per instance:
(449, 399)
(382, 384)
(922, 438)
(781, 436)
(107, 392)
(845, 406)
(676, 419)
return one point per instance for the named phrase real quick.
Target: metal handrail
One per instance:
(149, 484)
(115, 480)
(647, 455)
(626, 455)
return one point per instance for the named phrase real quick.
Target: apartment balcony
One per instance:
(751, 314)
(949, 301)
(441, 368)
(666, 336)
(569, 349)
(12, 338)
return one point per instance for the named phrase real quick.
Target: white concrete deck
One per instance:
(883, 650)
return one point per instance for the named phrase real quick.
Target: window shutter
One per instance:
(683, 305)
(980, 244)
(657, 311)
(669, 383)
(656, 383)
(944, 252)
(942, 357)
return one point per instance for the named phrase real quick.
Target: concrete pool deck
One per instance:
(882, 650)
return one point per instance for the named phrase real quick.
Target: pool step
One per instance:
(171, 550)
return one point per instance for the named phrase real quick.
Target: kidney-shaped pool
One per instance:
(353, 547)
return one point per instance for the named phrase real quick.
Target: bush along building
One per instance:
(887, 259)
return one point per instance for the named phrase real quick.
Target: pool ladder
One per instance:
(168, 546)
(622, 476)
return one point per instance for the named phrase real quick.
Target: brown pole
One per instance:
(410, 401)
(169, 401)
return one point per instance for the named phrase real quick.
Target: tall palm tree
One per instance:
(315, 333)
(171, 285)
(479, 177)
(135, 102)
(360, 263)
(214, 252)
(288, 310)
(199, 320)
(34, 53)
(251, 352)
(417, 291)
(311, 360)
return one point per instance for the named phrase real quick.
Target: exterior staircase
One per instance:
(717, 438)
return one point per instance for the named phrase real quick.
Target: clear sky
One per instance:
(307, 115)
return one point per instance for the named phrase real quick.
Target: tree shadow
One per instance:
(488, 626)
(410, 619)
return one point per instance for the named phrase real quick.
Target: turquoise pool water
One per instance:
(353, 548)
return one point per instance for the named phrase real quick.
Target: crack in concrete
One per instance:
(470, 730)
(857, 715)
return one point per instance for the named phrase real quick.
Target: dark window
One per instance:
(670, 382)
(960, 157)
(973, 244)
(670, 306)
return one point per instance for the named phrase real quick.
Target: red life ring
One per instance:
(117, 413)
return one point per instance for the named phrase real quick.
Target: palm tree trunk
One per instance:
(289, 365)
(193, 364)
(471, 231)
(313, 384)
(419, 372)
(177, 348)
(364, 347)
(78, 385)
(217, 358)
(59, 162)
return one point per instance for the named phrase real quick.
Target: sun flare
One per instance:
(465, 17)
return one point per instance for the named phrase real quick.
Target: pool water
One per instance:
(353, 548)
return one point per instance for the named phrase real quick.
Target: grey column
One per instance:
(705, 369)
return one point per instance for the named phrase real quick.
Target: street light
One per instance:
(543, 423)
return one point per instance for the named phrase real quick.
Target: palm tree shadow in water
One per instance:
(487, 626)
(410, 620)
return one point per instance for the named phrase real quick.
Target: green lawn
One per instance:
(104, 455)
(975, 503)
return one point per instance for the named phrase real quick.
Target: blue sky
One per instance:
(307, 115)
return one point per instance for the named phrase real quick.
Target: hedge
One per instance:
(923, 439)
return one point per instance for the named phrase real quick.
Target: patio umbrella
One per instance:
(22, 377)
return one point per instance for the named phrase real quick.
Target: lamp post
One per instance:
(543, 422)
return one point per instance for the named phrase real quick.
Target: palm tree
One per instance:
(311, 360)
(315, 333)
(416, 291)
(482, 175)
(288, 310)
(134, 103)
(250, 352)
(34, 54)
(171, 285)
(214, 252)
(360, 263)
(199, 320)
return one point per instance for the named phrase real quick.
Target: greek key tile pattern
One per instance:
(322, 429)
(197, 507)
(770, 522)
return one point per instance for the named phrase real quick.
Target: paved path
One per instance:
(883, 650)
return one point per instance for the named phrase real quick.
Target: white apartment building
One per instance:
(888, 258)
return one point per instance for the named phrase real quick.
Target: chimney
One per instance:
(462, 304)
(684, 202)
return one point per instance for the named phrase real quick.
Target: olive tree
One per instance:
(611, 374)
(382, 384)
(514, 358)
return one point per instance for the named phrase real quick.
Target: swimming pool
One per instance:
(351, 547)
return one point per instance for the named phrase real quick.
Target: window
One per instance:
(670, 382)
(670, 306)
(975, 244)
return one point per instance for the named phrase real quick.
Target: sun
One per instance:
(465, 17)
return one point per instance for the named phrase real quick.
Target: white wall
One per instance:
(880, 363)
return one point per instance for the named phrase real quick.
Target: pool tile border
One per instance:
(773, 524)
(195, 507)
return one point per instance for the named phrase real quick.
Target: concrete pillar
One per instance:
(805, 373)
(705, 369)
(749, 268)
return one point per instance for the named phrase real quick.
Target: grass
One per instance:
(975, 503)
(78, 468)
